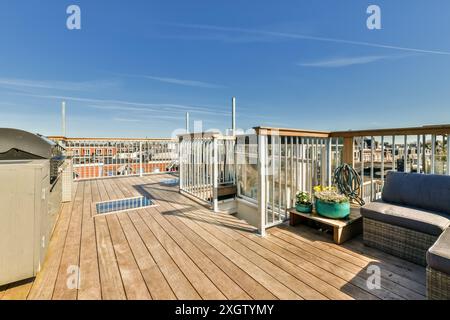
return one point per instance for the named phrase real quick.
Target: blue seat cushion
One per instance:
(425, 191)
(425, 221)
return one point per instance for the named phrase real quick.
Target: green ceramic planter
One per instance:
(304, 208)
(333, 210)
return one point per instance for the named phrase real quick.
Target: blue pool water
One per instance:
(170, 182)
(123, 204)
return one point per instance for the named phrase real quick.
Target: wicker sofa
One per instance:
(412, 221)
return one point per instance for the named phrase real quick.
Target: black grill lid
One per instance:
(18, 144)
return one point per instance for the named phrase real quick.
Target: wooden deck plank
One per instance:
(153, 277)
(133, 282)
(3, 290)
(247, 283)
(312, 268)
(272, 266)
(156, 283)
(279, 289)
(110, 277)
(220, 279)
(304, 275)
(391, 279)
(395, 269)
(71, 254)
(18, 290)
(204, 286)
(180, 249)
(228, 287)
(89, 288)
(398, 291)
(45, 280)
(392, 269)
(180, 285)
(319, 251)
(349, 280)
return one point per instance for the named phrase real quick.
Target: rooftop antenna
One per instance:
(233, 115)
(63, 118)
(187, 122)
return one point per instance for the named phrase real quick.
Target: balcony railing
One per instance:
(106, 157)
(207, 163)
(273, 164)
(267, 168)
(374, 152)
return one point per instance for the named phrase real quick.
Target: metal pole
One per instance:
(433, 152)
(382, 160)
(448, 154)
(187, 122)
(328, 161)
(140, 159)
(63, 118)
(215, 175)
(262, 200)
(233, 115)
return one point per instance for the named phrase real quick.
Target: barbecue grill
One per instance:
(31, 177)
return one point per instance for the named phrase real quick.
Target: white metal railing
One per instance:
(206, 163)
(374, 156)
(98, 158)
(286, 165)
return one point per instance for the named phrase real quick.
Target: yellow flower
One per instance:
(317, 188)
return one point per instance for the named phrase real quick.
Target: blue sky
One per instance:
(136, 67)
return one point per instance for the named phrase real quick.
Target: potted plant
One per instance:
(303, 203)
(330, 203)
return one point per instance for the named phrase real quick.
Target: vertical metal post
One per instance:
(433, 152)
(292, 174)
(233, 115)
(287, 196)
(405, 156)
(262, 201)
(187, 122)
(448, 153)
(372, 153)
(63, 118)
(419, 155)
(393, 154)
(424, 157)
(280, 191)
(361, 148)
(215, 175)
(140, 159)
(328, 160)
(382, 160)
(180, 165)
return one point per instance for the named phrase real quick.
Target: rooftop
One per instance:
(179, 249)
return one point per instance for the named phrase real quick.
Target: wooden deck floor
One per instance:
(181, 250)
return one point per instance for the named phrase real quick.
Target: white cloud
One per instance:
(298, 36)
(181, 82)
(123, 105)
(342, 62)
(57, 85)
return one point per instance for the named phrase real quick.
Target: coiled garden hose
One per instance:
(348, 182)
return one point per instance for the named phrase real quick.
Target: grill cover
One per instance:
(19, 145)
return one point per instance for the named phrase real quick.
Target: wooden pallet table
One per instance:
(343, 229)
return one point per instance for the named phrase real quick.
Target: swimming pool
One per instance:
(123, 204)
